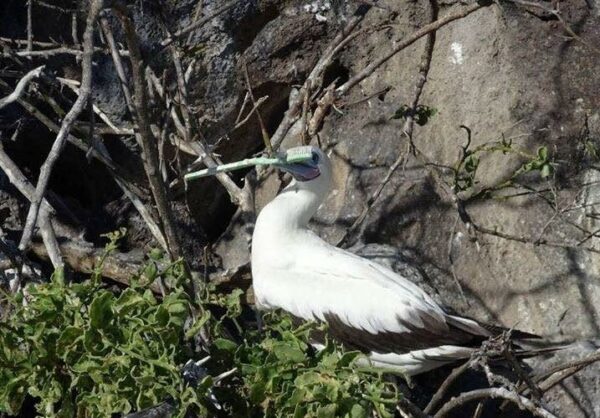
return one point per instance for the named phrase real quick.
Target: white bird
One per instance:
(367, 306)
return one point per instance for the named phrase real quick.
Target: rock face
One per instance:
(505, 73)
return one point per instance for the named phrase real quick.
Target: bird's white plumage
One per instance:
(297, 271)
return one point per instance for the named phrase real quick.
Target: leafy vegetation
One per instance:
(465, 170)
(283, 376)
(81, 349)
(421, 114)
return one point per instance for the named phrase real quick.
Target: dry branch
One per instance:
(84, 259)
(54, 7)
(557, 374)
(29, 25)
(313, 81)
(200, 149)
(257, 104)
(61, 138)
(413, 410)
(407, 130)
(45, 52)
(533, 241)
(20, 88)
(145, 137)
(18, 179)
(130, 190)
(263, 129)
(199, 146)
(170, 39)
(73, 85)
(445, 386)
(494, 393)
(108, 34)
(404, 43)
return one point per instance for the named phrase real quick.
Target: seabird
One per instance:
(367, 306)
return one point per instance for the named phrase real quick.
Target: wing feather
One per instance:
(367, 306)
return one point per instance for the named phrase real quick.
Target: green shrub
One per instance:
(283, 376)
(81, 350)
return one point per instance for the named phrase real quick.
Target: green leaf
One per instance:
(101, 310)
(129, 301)
(308, 378)
(13, 396)
(198, 324)
(358, 411)
(327, 411)
(542, 154)
(288, 353)
(546, 171)
(58, 277)
(69, 337)
(471, 163)
(401, 112)
(150, 272)
(225, 344)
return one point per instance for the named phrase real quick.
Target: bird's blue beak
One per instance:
(304, 171)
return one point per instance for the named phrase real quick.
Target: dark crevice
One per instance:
(543, 16)
(336, 72)
(82, 187)
(245, 30)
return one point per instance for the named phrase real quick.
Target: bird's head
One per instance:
(298, 202)
(317, 167)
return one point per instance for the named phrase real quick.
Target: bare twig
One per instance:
(18, 179)
(557, 374)
(24, 42)
(149, 149)
(313, 81)
(368, 97)
(54, 7)
(263, 129)
(406, 405)
(45, 52)
(78, 106)
(73, 85)
(74, 28)
(237, 195)
(533, 241)
(107, 31)
(407, 130)
(494, 393)
(53, 50)
(197, 12)
(443, 389)
(53, 127)
(451, 261)
(29, 25)
(130, 190)
(558, 15)
(409, 40)
(255, 107)
(144, 212)
(21, 85)
(187, 128)
(524, 376)
(169, 40)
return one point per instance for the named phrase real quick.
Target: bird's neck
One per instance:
(292, 209)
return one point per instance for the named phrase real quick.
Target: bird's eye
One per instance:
(315, 158)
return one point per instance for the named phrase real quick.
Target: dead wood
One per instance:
(61, 138)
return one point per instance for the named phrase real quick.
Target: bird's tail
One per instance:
(526, 349)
